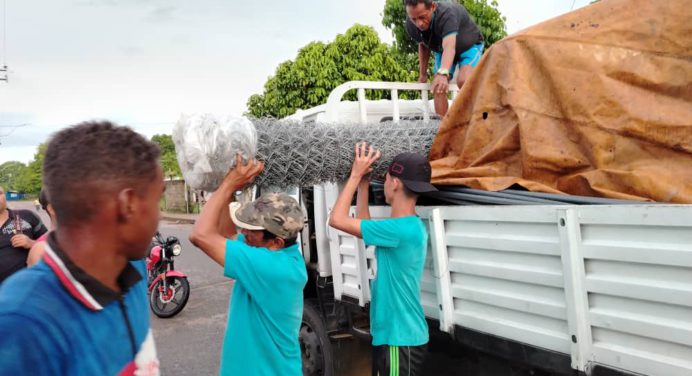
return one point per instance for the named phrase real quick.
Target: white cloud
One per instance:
(145, 62)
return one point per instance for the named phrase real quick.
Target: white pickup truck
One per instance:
(584, 285)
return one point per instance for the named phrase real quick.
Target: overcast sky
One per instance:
(144, 62)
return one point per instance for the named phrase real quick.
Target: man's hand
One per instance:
(365, 157)
(423, 78)
(22, 241)
(440, 84)
(206, 233)
(362, 165)
(243, 173)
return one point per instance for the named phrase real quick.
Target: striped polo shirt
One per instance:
(56, 319)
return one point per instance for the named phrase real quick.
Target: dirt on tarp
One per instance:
(597, 102)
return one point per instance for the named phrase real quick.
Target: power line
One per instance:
(4, 41)
(12, 128)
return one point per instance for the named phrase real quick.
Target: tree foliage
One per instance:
(10, 173)
(485, 14)
(31, 179)
(169, 161)
(319, 67)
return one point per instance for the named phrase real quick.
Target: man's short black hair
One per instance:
(428, 3)
(86, 162)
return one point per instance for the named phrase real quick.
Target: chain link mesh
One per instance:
(299, 154)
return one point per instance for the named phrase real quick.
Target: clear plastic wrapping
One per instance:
(206, 147)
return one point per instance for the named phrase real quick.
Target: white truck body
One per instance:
(603, 285)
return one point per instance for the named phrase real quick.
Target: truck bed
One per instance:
(604, 285)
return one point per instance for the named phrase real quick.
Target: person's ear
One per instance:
(51, 211)
(397, 184)
(126, 204)
(277, 243)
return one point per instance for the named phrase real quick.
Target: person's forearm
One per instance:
(423, 59)
(343, 203)
(362, 207)
(226, 226)
(209, 220)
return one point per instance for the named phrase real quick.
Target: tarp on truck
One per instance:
(597, 102)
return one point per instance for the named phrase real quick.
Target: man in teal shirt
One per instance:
(266, 307)
(397, 322)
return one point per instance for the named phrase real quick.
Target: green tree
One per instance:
(319, 67)
(31, 178)
(484, 13)
(9, 173)
(169, 161)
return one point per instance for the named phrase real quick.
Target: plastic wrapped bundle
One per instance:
(206, 147)
(295, 154)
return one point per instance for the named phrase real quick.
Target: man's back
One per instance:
(46, 330)
(396, 313)
(265, 311)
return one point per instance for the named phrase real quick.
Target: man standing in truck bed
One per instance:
(446, 29)
(397, 321)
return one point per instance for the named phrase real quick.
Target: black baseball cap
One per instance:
(414, 171)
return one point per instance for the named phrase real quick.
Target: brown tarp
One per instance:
(597, 102)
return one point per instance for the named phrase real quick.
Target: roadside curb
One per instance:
(170, 218)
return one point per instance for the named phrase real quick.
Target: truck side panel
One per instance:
(608, 285)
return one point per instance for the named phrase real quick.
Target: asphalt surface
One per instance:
(190, 343)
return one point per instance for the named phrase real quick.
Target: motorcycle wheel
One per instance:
(169, 303)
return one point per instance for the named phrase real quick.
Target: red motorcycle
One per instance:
(169, 289)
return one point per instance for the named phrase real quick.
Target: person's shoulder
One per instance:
(27, 215)
(239, 243)
(398, 221)
(411, 29)
(24, 213)
(141, 266)
(408, 24)
(444, 7)
(31, 292)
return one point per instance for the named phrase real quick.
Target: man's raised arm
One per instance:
(207, 234)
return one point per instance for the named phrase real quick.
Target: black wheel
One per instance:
(315, 346)
(169, 303)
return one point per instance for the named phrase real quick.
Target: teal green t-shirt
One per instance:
(396, 314)
(265, 312)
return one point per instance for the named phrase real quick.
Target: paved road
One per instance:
(190, 343)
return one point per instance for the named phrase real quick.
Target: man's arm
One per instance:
(35, 253)
(22, 241)
(206, 234)
(37, 229)
(362, 207)
(339, 218)
(423, 59)
(226, 226)
(440, 84)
